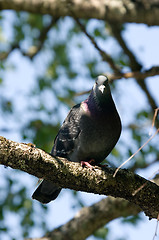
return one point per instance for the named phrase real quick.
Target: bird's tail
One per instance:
(46, 192)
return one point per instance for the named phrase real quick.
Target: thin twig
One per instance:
(136, 74)
(105, 56)
(116, 30)
(153, 121)
(134, 64)
(33, 50)
(147, 73)
(41, 39)
(136, 152)
(155, 234)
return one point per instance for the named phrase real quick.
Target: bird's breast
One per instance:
(99, 135)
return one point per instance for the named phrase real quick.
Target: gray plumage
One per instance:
(89, 132)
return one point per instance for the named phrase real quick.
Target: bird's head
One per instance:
(101, 86)
(101, 95)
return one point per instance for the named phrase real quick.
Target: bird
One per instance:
(88, 134)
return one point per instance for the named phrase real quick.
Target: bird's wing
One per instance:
(68, 133)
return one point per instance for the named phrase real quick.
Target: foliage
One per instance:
(65, 63)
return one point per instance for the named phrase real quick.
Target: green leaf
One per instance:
(115, 153)
(132, 219)
(101, 233)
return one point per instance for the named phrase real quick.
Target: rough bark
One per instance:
(71, 175)
(121, 11)
(90, 219)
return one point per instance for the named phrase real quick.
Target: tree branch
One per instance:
(119, 11)
(117, 32)
(90, 219)
(105, 56)
(33, 50)
(134, 65)
(72, 175)
(4, 55)
(154, 71)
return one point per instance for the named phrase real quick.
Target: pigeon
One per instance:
(87, 135)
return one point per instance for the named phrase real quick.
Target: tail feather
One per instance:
(46, 192)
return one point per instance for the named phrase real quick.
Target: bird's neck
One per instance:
(105, 104)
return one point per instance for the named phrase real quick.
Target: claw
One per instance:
(83, 163)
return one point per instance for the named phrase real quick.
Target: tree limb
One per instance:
(90, 219)
(120, 11)
(134, 65)
(154, 71)
(33, 50)
(71, 175)
(105, 56)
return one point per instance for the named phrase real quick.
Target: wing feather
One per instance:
(65, 140)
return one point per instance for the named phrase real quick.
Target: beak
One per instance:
(101, 88)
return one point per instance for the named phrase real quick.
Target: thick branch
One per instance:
(71, 175)
(119, 11)
(90, 219)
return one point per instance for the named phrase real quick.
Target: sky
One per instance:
(143, 41)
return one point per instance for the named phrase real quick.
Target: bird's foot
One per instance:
(88, 164)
